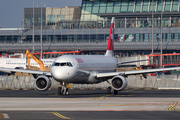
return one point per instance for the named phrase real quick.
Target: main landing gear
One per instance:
(63, 90)
(110, 90)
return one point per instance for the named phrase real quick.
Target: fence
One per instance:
(160, 82)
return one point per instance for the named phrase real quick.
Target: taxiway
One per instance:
(90, 104)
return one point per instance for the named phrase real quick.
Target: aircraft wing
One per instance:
(11, 70)
(132, 61)
(134, 72)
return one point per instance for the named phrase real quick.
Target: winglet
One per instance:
(110, 46)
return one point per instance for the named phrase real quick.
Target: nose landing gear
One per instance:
(63, 90)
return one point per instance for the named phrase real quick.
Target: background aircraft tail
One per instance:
(110, 46)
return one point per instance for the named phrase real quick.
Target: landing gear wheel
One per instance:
(115, 92)
(59, 91)
(64, 91)
(67, 91)
(109, 90)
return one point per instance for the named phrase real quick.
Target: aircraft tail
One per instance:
(110, 46)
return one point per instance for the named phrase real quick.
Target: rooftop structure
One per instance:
(89, 25)
(50, 16)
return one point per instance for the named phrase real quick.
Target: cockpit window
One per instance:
(62, 64)
(69, 64)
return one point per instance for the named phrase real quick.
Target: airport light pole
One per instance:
(161, 31)
(152, 26)
(33, 26)
(41, 29)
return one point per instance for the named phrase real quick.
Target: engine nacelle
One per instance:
(92, 77)
(119, 83)
(43, 83)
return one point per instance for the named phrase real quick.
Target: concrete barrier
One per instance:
(28, 82)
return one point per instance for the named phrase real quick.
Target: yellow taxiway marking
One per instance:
(131, 90)
(1, 115)
(4, 115)
(173, 107)
(102, 97)
(97, 98)
(60, 116)
(124, 95)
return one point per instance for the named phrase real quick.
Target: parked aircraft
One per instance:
(86, 69)
(20, 63)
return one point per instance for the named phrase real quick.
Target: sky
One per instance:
(12, 11)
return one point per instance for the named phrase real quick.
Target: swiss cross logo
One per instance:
(79, 60)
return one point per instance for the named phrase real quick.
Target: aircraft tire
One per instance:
(64, 91)
(59, 91)
(115, 92)
(67, 91)
(109, 90)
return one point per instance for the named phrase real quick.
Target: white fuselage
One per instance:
(21, 62)
(83, 68)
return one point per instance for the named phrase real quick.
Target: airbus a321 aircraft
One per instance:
(86, 69)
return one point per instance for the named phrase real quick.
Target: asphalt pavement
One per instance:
(130, 104)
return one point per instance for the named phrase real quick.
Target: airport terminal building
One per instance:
(87, 27)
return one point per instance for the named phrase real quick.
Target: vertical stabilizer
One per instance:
(110, 46)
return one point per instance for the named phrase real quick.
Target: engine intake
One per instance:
(119, 83)
(43, 83)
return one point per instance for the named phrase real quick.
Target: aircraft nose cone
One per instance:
(57, 74)
(62, 73)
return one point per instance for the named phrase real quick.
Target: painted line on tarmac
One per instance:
(173, 107)
(1, 115)
(60, 116)
(131, 90)
(4, 115)
(125, 95)
(102, 97)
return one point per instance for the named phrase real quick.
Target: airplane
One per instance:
(86, 69)
(20, 63)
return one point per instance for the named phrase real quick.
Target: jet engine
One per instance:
(119, 83)
(43, 83)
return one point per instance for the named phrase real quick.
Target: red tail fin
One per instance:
(110, 46)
